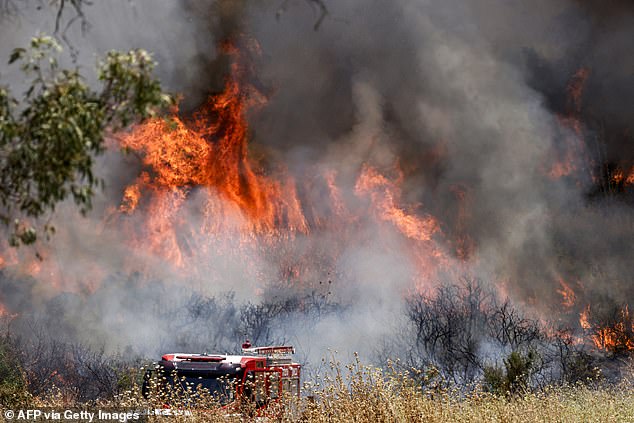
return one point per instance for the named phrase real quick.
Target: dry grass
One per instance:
(357, 393)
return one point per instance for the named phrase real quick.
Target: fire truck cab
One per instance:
(259, 376)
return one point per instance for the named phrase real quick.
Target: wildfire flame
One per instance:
(584, 317)
(6, 314)
(576, 87)
(204, 163)
(630, 177)
(616, 336)
(259, 205)
(211, 151)
(568, 295)
(573, 149)
(384, 195)
(621, 177)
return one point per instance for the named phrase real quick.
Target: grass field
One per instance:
(365, 394)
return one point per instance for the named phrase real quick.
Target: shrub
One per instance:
(515, 377)
(13, 385)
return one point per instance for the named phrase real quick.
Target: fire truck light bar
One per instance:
(269, 350)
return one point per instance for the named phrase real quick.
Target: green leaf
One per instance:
(60, 129)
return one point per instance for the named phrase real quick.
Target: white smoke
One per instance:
(377, 82)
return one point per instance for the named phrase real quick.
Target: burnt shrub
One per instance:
(576, 365)
(449, 328)
(471, 336)
(76, 371)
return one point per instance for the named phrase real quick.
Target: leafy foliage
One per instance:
(13, 385)
(515, 377)
(49, 139)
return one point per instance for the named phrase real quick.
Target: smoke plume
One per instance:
(476, 104)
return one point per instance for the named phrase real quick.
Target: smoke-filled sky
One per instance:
(470, 99)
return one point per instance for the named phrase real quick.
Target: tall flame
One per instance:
(261, 207)
(567, 293)
(384, 198)
(201, 190)
(211, 151)
(573, 149)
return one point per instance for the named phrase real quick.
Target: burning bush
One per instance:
(610, 327)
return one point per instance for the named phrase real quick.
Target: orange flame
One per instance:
(211, 151)
(584, 318)
(202, 190)
(208, 157)
(567, 163)
(384, 195)
(620, 176)
(568, 295)
(4, 313)
(616, 336)
(630, 177)
(575, 89)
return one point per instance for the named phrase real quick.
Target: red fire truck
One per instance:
(258, 377)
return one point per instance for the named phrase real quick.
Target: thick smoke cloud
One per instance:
(487, 81)
(465, 96)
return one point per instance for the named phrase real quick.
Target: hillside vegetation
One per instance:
(367, 394)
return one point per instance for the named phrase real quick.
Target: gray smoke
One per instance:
(462, 94)
(467, 76)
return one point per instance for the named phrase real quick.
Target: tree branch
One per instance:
(321, 6)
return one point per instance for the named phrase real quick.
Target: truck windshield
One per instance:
(196, 389)
(220, 389)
